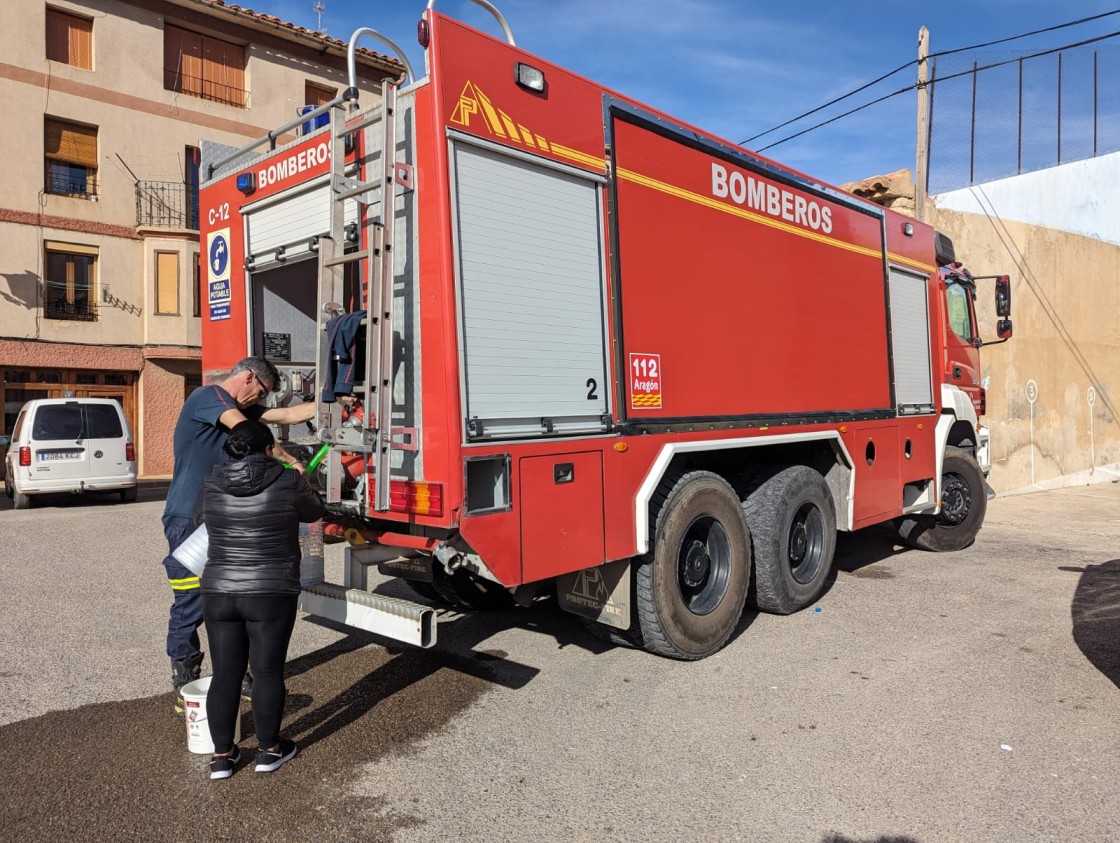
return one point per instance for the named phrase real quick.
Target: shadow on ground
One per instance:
(121, 770)
(1096, 617)
(146, 490)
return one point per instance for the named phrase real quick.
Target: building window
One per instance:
(190, 180)
(197, 286)
(69, 39)
(204, 67)
(316, 95)
(69, 288)
(191, 382)
(167, 283)
(70, 152)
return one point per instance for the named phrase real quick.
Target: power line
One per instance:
(911, 63)
(909, 88)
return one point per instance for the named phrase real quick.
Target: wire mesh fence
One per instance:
(997, 114)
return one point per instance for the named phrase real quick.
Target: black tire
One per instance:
(128, 495)
(691, 587)
(20, 500)
(964, 503)
(792, 520)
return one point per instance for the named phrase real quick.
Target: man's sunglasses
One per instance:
(264, 389)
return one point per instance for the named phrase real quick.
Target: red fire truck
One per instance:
(561, 343)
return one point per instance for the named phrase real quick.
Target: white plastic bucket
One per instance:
(198, 725)
(191, 554)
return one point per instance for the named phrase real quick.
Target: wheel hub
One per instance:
(956, 500)
(798, 543)
(697, 563)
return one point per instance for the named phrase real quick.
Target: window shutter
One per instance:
(58, 36)
(235, 74)
(167, 282)
(81, 43)
(316, 94)
(182, 60)
(70, 143)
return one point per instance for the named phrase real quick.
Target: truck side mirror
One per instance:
(1003, 299)
(1003, 329)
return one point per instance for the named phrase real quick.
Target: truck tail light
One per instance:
(25, 455)
(416, 498)
(983, 408)
(130, 452)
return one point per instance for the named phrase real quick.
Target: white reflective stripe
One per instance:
(665, 456)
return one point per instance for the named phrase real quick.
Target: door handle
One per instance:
(564, 472)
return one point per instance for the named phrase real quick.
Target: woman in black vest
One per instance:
(252, 509)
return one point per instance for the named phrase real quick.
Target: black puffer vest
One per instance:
(252, 509)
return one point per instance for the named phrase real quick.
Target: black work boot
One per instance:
(182, 672)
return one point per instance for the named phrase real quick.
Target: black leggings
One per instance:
(253, 630)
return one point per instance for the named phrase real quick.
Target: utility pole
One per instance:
(319, 6)
(921, 166)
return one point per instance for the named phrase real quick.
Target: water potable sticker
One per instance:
(645, 381)
(218, 263)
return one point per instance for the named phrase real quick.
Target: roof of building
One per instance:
(284, 28)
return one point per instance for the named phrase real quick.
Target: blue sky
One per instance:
(739, 68)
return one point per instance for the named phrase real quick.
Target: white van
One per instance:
(70, 445)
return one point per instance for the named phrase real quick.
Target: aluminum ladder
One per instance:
(373, 435)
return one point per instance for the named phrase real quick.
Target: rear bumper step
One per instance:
(386, 616)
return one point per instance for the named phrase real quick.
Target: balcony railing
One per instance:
(75, 181)
(203, 88)
(82, 309)
(164, 204)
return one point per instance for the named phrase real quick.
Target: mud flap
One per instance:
(415, 568)
(600, 594)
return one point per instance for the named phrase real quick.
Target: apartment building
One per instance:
(105, 104)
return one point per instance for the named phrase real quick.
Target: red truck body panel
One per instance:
(742, 300)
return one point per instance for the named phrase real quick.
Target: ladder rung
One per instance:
(347, 258)
(357, 190)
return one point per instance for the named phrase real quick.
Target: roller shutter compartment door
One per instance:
(530, 274)
(910, 342)
(292, 221)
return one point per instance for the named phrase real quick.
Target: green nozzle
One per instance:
(318, 458)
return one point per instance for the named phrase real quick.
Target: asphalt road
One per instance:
(971, 696)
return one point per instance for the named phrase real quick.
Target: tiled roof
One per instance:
(297, 30)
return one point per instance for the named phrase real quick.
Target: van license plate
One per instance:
(46, 456)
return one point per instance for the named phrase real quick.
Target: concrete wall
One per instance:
(1066, 310)
(1080, 198)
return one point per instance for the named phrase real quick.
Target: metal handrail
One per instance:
(352, 50)
(492, 9)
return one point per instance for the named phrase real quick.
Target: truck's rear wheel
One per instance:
(964, 503)
(792, 520)
(691, 588)
(20, 500)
